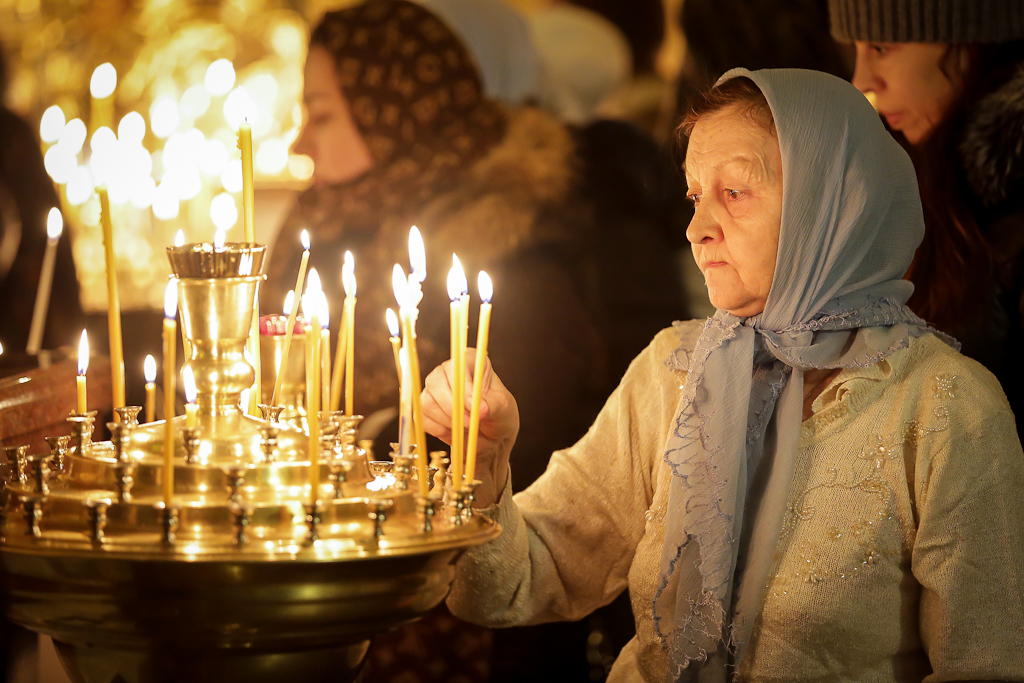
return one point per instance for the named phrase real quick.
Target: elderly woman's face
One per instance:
(734, 178)
(330, 137)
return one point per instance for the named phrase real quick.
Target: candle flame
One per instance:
(179, 238)
(171, 299)
(188, 382)
(348, 274)
(313, 283)
(457, 284)
(219, 238)
(311, 299)
(83, 353)
(304, 238)
(417, 254)
(325, 312)
(401, 286)
(484, 286)
(1, 349)
(149, 368)
(289, 301)
(54, 224)
(392, 319)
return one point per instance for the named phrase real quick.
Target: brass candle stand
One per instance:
(240, 577)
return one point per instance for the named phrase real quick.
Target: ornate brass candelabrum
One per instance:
(240, 578)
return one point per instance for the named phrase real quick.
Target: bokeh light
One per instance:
(163, 117)
(231, 178)
(80, 186)
(103, 81)
(73, 136)
(272, 157)
(223, 211)
(165, 202)
(132, 127)
(220, 76)
(240, 107)
(52, 124)
(300, 166)
(59, 163)
(195, 102)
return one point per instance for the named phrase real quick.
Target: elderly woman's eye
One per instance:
(695, 198)
(733, 194)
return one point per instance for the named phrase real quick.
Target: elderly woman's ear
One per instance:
(734, 178)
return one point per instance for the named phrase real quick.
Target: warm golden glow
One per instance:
(304, 239)
(52, 124)
(457, 284)
(417, 254)
(400, 284)
(220, 76)
(223, 211)
(132, 128)
(171, 299)
(289, 301)
(348, 274)
(188, 383)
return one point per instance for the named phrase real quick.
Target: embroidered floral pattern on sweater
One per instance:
(864, 475)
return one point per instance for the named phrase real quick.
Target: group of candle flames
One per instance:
(324, 385)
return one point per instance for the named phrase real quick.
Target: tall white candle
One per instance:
(54, 228)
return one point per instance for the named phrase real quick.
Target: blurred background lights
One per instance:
(220, 76)
(103, 81)
(231, 178)
(60, 163)
(103, 139)
(80, 186)
(52, 124)
(272, 157)
(240, 107)
(132, 127)
(163, 117)
(300, 166)
(73, 136)
(223, 211)
(213, 158)
(195, 102)
(143, 193)
(165, 202)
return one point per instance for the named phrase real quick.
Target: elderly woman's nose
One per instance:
(703, 227)
(303, 145)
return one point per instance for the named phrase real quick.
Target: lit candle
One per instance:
(188, 383)
(350, 324)
(313, 386)
(54, 228)
(186, 345)
(404, 403)
(396, 340)
(407, 312)
(291, 316)
(113, 304)
(149, 370)
(83, 366)
(179, 238)
(325, 351)
(248, 193)
(484, 286)
(457, 286)
(344, 336)
(170, 370)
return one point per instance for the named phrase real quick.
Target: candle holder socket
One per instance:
(339, 475)
(241, 515)
(190, 439)
(41, 471)
(58, 452)
(379, 516)
(120, 438)
(33, 515)
(438, 473)
(271, 413)
(428, 507)
(403, 471)
(129, 415)
(168, 523)
(97, 520)
(125, 474)
(82, 426)
(268, 442)
(236, 482)
(312, 522)
(17, 459)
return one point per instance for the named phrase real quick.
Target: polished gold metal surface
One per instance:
(293, 386)
(241, 578)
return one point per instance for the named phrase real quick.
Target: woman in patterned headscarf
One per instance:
(402, 135)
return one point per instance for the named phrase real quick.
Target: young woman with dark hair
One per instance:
(949, 83)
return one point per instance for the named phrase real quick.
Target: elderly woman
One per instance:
(811, 485)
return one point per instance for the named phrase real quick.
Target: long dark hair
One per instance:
(952, 271)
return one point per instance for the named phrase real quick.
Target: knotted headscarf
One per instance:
(851, 222)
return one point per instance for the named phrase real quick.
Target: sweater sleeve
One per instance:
(968, 554)
(569, 539)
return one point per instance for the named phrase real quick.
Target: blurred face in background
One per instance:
(330, 137)
(913, 90)
(734, 178)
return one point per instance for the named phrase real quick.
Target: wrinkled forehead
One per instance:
(731, 141)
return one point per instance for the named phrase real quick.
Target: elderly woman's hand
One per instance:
(499, 423)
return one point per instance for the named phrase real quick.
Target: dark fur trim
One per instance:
(993, 145)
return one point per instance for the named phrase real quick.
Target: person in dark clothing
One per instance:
(949, 83)
(26, 197)
(578, 236)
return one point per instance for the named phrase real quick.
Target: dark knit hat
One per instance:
(928, 21)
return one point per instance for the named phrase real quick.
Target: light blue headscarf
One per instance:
(851, 222)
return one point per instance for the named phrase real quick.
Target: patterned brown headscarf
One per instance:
(416, 97)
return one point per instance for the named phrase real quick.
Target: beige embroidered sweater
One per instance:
(902, 555)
